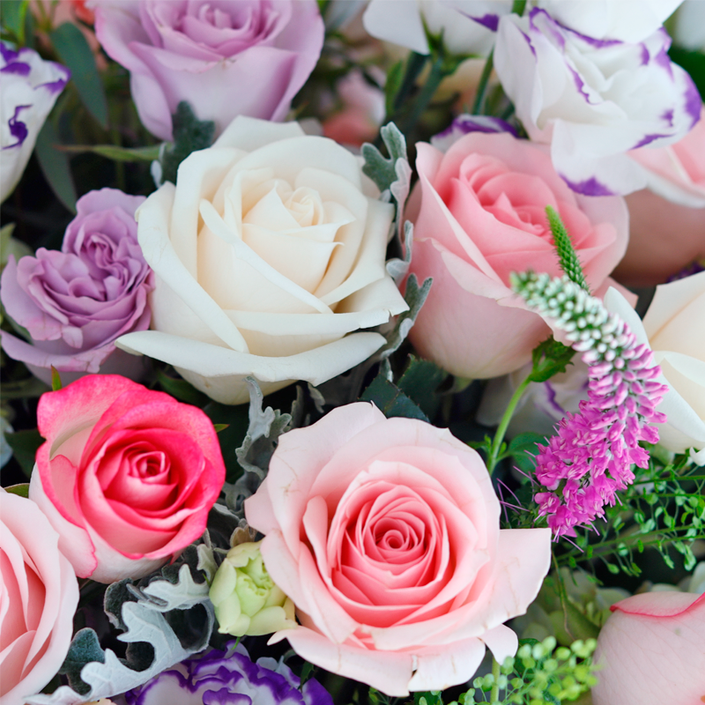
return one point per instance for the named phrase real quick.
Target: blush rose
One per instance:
(225, 59)
(482, 216)
(76, 302)
(385, 534)
(126, 476)
(268, 252)
(38, 599)
(652, 651)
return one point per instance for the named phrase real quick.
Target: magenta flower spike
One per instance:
(590, 458)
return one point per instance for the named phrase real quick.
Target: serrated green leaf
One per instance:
(190, 135)
(55, 166)
(75, 53)
(380, 169)
(420, 381)
(390, 400)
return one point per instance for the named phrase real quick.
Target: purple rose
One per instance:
(29, 87)
(228, 677)
(76, 302)
(225, 58)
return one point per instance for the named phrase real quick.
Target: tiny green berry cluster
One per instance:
(540, 673)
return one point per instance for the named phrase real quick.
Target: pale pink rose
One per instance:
(38, 599)
(127, 475)
(385, 534)
(481, 217)
(226, 59)
(652, 651)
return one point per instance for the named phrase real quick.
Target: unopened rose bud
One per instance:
(246, 600)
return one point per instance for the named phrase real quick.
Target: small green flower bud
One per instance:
(246, 600)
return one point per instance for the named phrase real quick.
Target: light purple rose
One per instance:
(76, 302)
(225, 58)
(228, 677)
(29, 86)
(593, 100)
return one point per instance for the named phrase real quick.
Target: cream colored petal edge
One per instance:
(250, 133)
(227, 368)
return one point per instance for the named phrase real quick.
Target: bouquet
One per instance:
(353, 352)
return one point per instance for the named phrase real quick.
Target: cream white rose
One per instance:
(673, 328)
(268, 252)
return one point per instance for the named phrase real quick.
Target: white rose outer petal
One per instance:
(222, 241)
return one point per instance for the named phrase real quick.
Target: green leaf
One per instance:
(220, 427)
(74, 52)
(117, 154)
(693, 62)
(183, 391)
(567, 256)
(21, 490)
(395, 77)
(24, 446)
(420, 381)
(190, 135)
(390, 400)
(12, 20)
(55, 166)
(56, 384)
(549, 358)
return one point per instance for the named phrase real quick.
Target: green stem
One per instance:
(494, 693)
(479, 101)
(424, 96)
(518, 7)
(504, 423)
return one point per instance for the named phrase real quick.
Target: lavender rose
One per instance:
(228, 677)
(29, 87)
(249, 57)
(76, 302)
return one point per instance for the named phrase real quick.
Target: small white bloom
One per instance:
(592, 99)
(29, 87)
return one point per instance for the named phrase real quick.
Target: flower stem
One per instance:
(479, 102)
(504, 423)
(494, 694)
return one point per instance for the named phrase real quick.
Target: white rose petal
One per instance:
(269, 257)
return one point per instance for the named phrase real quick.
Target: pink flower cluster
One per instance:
(590, 458)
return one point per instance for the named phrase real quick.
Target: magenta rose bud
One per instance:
(225, 59)
(481, 217)
(385, 535)
(38, 599)
(76, 302)
(652, 651)
(127, 475)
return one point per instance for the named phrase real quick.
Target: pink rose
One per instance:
(652, 651)
(226, 59)
(38, 599)
(76, 302)
(482, 216)
(385, 534)
(667, 222)
(126, 476)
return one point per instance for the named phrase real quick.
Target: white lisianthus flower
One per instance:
(269, 255)
(593, 100)
(466, 26)
(673, 329)
(29, 87)
(625, 20)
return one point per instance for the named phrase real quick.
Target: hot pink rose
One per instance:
(652, 651)
(482, 216)
(38, 599)
(126, 476)
(385, 534)
(225, 58)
